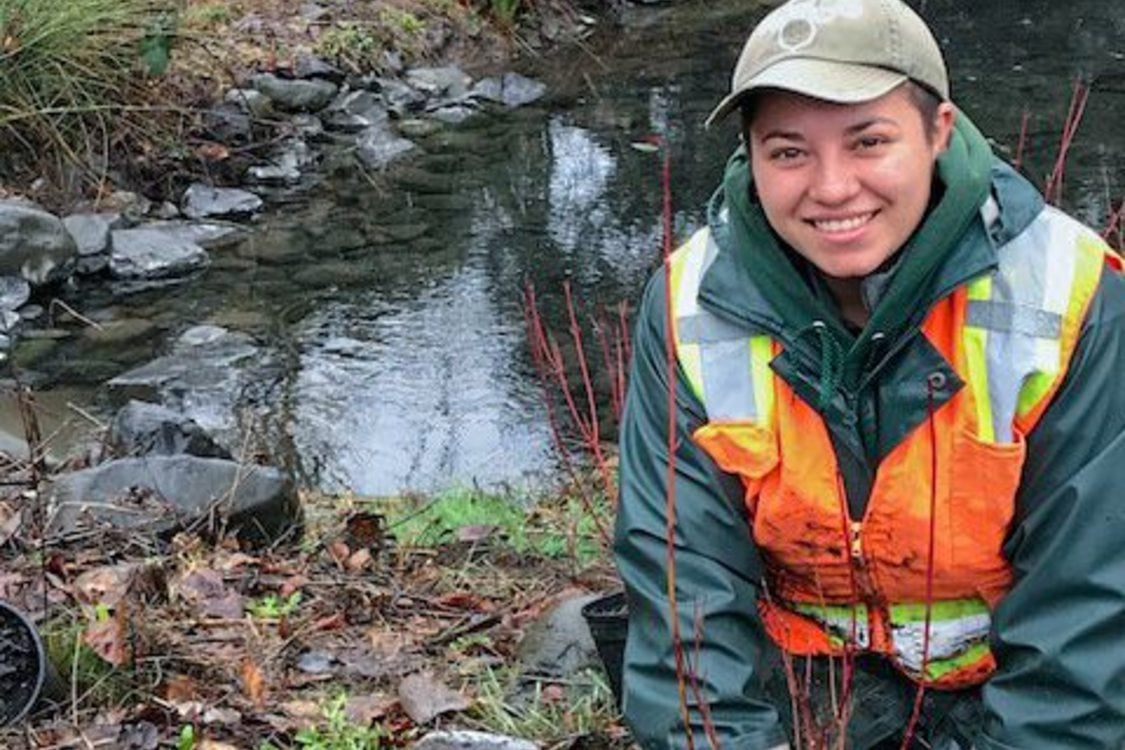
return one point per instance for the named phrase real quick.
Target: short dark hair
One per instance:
(924, 100)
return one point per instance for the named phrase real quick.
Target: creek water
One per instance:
(389, 309)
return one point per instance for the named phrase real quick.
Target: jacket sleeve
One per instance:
(716, 566)
(1059, 634)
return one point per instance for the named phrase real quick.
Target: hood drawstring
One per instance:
(831, 362)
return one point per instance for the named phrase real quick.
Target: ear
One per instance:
(944, 118)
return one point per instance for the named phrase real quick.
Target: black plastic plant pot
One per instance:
(608, 621)
(24, 669)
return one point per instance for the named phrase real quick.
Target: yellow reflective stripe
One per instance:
(761, 352)
(688, 354)
(937, 669)
(1091, 257)
(944, 609)
(976, 362)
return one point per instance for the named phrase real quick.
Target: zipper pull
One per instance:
(855, 528)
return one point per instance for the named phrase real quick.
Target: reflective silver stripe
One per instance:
(998, 316)
(1024, 315)
(705, 328)
(948, 638)
(728, 385)
(724, 348)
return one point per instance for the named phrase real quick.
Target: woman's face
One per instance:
(845, 185)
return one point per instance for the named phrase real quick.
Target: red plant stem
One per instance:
(916, 712)
(538, 338)
(616, 392)
(670, 474)
(1054, 186)
(704, 708)
(592, 435)
(1114, 224)
(1021, 145)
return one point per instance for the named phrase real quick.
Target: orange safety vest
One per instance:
(834, 583)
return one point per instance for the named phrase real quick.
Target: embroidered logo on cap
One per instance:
(797, 23)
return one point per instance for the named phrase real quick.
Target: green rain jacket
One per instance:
(1058, 636)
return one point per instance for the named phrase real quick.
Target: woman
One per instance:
(896, 434)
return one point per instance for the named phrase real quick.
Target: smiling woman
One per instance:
(845, 185)
(891, 377)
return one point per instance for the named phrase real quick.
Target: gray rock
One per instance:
(454, 114)
(286, 165)
(415, 128)
(202, 378)
(91, 265)
(512, 90)
(91, 232)
(308, 127)
(250, 101)
(143, 429)
(469, 740)
(311, 66)
(378, 147)
(14, 292)
(31, 312)
(205, 202)
(227, 123)
(166, 211)
(314, 12)
(296, 95)
(559, 643)
(449, 82)
(392, 61)
(355, 112)
(401, 98)
(33, 243)
(209, 235)
(9, 319)
(158, 493)
(153, 254)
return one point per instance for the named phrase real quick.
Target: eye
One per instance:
(868, 142)
(787, 153)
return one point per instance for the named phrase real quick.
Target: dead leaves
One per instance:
(424, 698)
(253, 682)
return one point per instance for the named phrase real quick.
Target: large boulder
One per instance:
(91, 231)
(34, 244)
(356, 111)
(161, 493)
(296, 95)
(206, 202)
(143, 429)
(147, 253)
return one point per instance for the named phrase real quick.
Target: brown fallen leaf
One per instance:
(476, 532)
(211, 151)
(10, 520)
(424, 698)
(365, 709)
(181, 689)
(207, 744)
(107, 639)
(339, 552)
(253, 683)
(359, 560)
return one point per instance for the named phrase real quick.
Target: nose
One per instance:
(833, 181)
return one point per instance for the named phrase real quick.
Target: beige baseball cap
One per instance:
(842, 51)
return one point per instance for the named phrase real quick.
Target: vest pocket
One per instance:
(745, 449)
(984, 478)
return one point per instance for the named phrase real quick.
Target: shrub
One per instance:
(69, 68)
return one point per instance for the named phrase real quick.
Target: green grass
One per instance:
(67, 67)
(336, 733)
(553, 527)
(585, 707)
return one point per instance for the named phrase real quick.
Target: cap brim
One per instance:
(830, 80)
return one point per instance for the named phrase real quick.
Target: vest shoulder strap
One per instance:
(1023, 320)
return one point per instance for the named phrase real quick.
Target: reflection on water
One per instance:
(395, 307)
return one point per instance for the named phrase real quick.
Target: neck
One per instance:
(849, 298)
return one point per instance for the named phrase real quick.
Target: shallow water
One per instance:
(390, 309)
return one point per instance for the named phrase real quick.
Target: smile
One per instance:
(849, 224)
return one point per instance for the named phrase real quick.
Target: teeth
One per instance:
(843, 225)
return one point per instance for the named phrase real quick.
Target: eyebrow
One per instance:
(859, 127)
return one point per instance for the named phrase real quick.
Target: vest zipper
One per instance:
(855, 528)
